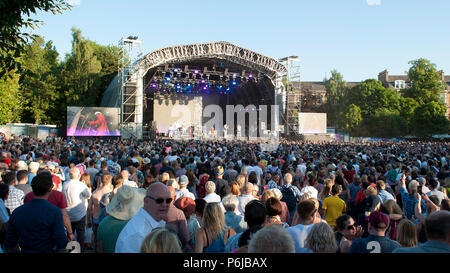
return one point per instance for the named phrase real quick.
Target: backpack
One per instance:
(289, 198)
(201, 187)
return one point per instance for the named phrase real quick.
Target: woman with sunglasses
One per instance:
(346, 232)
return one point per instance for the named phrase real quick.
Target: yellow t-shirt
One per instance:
(334, 207)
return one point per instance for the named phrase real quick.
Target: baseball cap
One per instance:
(378, 219)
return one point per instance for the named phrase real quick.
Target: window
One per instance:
(399, 84)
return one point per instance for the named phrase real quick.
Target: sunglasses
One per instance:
(351, 227)
(161, 200)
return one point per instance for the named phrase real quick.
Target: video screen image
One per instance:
(92, 121)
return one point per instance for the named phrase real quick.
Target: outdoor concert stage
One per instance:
(179, 90)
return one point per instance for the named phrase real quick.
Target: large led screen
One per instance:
(92, 121)
(312, 123)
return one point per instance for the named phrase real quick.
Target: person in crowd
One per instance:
(377, 241)
(346, 232)
(22, 179)
(433, 185)
(16, 196)
(187, 205)
(4, 213)
(306, 210)
(94, 211)
(232, 219)
(285, 215)
(37, 227)
(76, 194)
(383, 194)
(321, 239)
(230, 174)
(437, 228)
(274, 211)
(406, 234)
(271, 239)
(91, 170)
(176, 220)
(212, 236)
(149, 217)
(161, 240)
(126, 175)
(183, 191)
(211, 195)
(408, 197)
(126, 202)
(334, 206)
(246, 197)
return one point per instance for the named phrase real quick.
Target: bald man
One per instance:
(151, 216)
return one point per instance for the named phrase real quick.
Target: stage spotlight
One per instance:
(196, 71)
(154, 85)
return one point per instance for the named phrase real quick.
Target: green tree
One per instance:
(108, 56)
(336, 89)
(10, 98)
(39, 81)
(350, 119)
(370, 95)
(13, 38)
(429, 119)
(384, 123)
(80, 71)
(426, 82)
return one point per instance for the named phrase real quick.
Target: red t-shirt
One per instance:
(56, 198)
(56, 180)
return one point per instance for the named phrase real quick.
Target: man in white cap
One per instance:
(183, 191)
(123, 206)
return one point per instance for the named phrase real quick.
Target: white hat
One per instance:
(126, 203)
(33, 167)
(22, 165)
(146, 160)
(73, 247)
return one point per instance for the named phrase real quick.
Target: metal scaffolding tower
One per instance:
(130, 51)
(293, 100)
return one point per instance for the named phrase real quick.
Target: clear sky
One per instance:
(359, 38)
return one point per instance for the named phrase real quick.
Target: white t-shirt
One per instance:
(133, 234)
(299, 233)
(77, 194)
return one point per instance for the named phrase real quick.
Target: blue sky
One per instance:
(359, 38)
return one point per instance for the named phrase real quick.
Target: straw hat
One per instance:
(126, 202)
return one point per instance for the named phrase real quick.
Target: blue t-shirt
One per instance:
(37, 227)
(374, 244)
(409, 203)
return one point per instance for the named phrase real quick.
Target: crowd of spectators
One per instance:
(118, 195)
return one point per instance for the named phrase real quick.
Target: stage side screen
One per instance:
(312, 123)
(177, 114)
(92, 121)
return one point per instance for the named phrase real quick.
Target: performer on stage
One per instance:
(100, 124)
(225, 130)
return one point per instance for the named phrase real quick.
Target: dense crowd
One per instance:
(165, 196)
